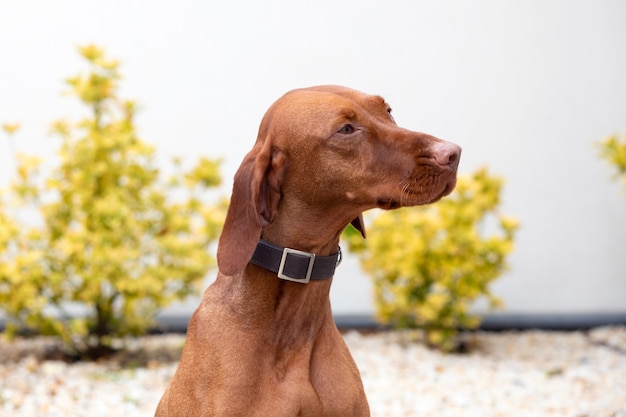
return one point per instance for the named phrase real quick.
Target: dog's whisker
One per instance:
(402, 185)
(406, 192)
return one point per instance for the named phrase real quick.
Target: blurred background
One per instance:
(527, 88)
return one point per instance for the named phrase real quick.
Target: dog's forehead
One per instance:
(331, 93)
(330, 99)
(319, 111)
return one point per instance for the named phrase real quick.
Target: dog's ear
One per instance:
(359, 224)
(253, 206)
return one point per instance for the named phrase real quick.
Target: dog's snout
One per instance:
(446, 153)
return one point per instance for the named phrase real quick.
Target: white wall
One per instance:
(525, 87)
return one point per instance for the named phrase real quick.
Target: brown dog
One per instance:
(261, 344)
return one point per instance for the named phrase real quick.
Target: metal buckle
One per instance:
(283, 260)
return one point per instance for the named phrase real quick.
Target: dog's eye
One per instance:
(347, 129)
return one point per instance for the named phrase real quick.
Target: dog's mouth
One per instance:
(388, 204)
(410, 195)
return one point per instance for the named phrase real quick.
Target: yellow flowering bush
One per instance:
(613, 150)
(429, 264)
(92, 250)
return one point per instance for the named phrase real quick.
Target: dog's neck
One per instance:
(265, 301)
(290, 310)
(307, 229)
(304, 240)
(288, 314)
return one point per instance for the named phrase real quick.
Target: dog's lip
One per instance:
(412, 197)
(388, 203)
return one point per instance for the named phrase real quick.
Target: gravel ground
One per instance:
(574, 374)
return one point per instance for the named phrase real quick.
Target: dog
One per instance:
(263, 341)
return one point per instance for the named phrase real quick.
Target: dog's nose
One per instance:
(446, 153)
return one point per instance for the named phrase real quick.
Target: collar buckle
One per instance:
(283, 262)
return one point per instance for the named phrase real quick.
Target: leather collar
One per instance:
(295, 265)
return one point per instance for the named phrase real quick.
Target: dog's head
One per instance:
(335, 151)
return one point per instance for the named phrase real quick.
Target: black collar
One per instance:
(294, 265)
